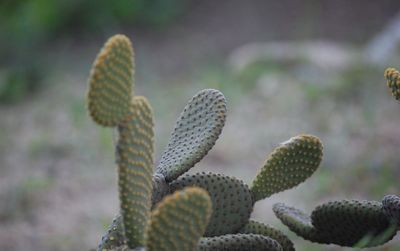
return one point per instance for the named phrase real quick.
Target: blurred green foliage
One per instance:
(26, 27)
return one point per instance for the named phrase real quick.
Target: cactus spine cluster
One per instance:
(160, 210)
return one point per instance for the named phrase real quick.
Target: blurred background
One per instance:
(286, 67)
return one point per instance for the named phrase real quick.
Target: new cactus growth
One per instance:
(159, 210)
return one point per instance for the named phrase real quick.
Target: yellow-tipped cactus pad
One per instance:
(393, 81)
(114, 238)
(179, 221)
(287, 166)
(111, 82)
(135, 150)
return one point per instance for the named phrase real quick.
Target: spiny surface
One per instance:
(287, 166)
(298, 222)
(239, 242)
(393, 81)
(178, 221)
(231, 200)
(195, 133)
(254, 227)
(348, 221)
(391, 208)
(111, 82)
(114, 238)
(135, 150)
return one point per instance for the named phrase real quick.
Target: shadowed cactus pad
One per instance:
(195, 133)
(393, 81)
(231, 200)
(287, 166)
(391, 207)
(254, 227)
(135, 168)
(111, 82)
(348, 221)
(179, 221)
(239, 242)
(114, 238)
(298, 222)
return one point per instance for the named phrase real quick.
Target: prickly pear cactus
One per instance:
(111, 82)
(195, 133)
(178, 222)
(254, 227)
(239, 242)
(393, 81)
(287, 166)
(344, 222)
(135, 149)
(232, 202)
(391, 208)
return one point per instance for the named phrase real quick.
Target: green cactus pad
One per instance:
(195, 133)
(231, 200)
(393, 81)
(254, 227)
(111, 82)
(178, 221)
(239, 242)
(298, 222)
(287, 166)
(348, 221)
(135, 168)
(114, 238)
(391, 208)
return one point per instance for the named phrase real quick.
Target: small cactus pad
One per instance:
(231, 200)
(348, 221)
(195, 133)
(393, 81)
(135, 162)
(298, 222)
(287, 166)
(391, 208)
(254, 227)
(239, 242)
(114, 238)
(111, 82)
(178, 221)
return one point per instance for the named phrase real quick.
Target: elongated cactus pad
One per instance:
(391, 208)
(115, 237)
(254, 227)
(348, 221)
(287, 166)
(239, 242)
(178, 221)
(135, 150)
(231, 200)
(195, 133)
(111, 82)
(393, 81)
(298, 222)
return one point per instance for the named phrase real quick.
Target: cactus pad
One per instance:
(298, 222)
(114, 238)
(287, 166)
(391, 208)
(195, 133)
(239, 242)
(393, 81)
(348, 221)
(231, 200)
(135, 168)
(178, 221)
(254, 227)
(111, 82)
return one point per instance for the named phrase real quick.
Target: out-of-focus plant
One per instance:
(26, 27)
